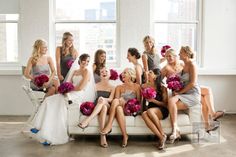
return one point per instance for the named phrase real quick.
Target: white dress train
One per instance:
(51, 119)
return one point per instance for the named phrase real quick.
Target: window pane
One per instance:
(8, 42)
(176, 35)
(4, 17)
(90, 37)
(174, 10)
(86, 10)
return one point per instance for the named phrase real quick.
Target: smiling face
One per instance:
(151, 76)
(69, 41)
(43, 49)
(130, 57)
(170, 57)
(104, 73)
(102, 58)
(125, 75)
(148, 45)
(84, 63)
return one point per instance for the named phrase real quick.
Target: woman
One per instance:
(128, 90)
(99, 61)
(133, 55)
(105, 95)
(65, 55)
(189, 95)
(50, 122)
(174, 66)
(157, 108)
(150, 58)
(41, 64)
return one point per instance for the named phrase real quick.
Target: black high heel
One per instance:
(124, 144)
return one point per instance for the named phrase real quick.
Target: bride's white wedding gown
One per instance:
(51, 119)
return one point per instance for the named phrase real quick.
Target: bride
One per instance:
(50, 123)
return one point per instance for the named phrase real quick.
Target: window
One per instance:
(92, 23)
(8, 38)
(177, 23)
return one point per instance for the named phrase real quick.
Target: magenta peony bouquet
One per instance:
(65, 87)
(40, 80)
(132, 107)
(149, 93)
(87, 108)
(114, 74)
(163, 50)
(69, 63)
(174, 83)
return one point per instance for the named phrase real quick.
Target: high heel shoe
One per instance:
(125, 143)
(212, 128)
(46, 143)
(105, 133)
(221, 114)
(162, 142)
(82, 127)
(34, 130)
(175, 136)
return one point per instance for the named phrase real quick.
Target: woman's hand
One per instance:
(175, 93)
(102, 100)
(60, 77)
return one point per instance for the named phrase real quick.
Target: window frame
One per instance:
(12, 64)
(199, 30)
(116, 21)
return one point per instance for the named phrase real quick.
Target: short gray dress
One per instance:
(104, 94)
(191, 97)
(128, 94)
(39, 70)
(64, 62)
(153, 60)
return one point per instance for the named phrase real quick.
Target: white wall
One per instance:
(134, 24)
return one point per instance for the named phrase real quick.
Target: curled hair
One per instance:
(188, 50)
(134, 52)
(132, 74)
(36, 50)
(83, 57)
(99, 65)
(66, 35)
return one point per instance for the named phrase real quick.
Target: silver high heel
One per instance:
(175, 136)
(162, 142)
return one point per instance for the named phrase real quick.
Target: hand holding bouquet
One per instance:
(149, 93)
(174, 83)
(65, 87)
(40, 80)
(87, 108)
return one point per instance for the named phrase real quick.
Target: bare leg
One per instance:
(208, 98)
(95, 112)
(121, 121)
(112, 114)
(151, 125)
(102, 120)
(155, 115)
(205, 112)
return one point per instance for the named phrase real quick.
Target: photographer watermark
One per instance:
(203, 133)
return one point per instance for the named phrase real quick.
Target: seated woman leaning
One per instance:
(105, 95)
(157, 107)
(124, 92)
(39, 65)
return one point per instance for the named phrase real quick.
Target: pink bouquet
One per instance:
(69, 63)
(87, 108)
(132, 107)
(163, 50)
(40, 80)
(65, 87)
(149, 93)
(174, 83)
(114, 74)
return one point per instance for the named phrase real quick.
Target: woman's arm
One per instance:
(28, 69)
(111, 97)
(75, 54)
(117, 92)
(51, 65)
(193, 79)
(84, 81)
(94, 67)
(139, 71)
(58, 63)
(138, 94)
(144, 60)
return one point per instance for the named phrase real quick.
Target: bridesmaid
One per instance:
(65, 54)
(99, 61)
(40, 63)
(105, 95)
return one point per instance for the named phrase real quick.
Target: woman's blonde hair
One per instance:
(132, 74)
(171, 51)
(36, 50)
(148, 37)
(66, 35)
(188, 50)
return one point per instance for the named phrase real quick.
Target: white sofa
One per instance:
(134, 125)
